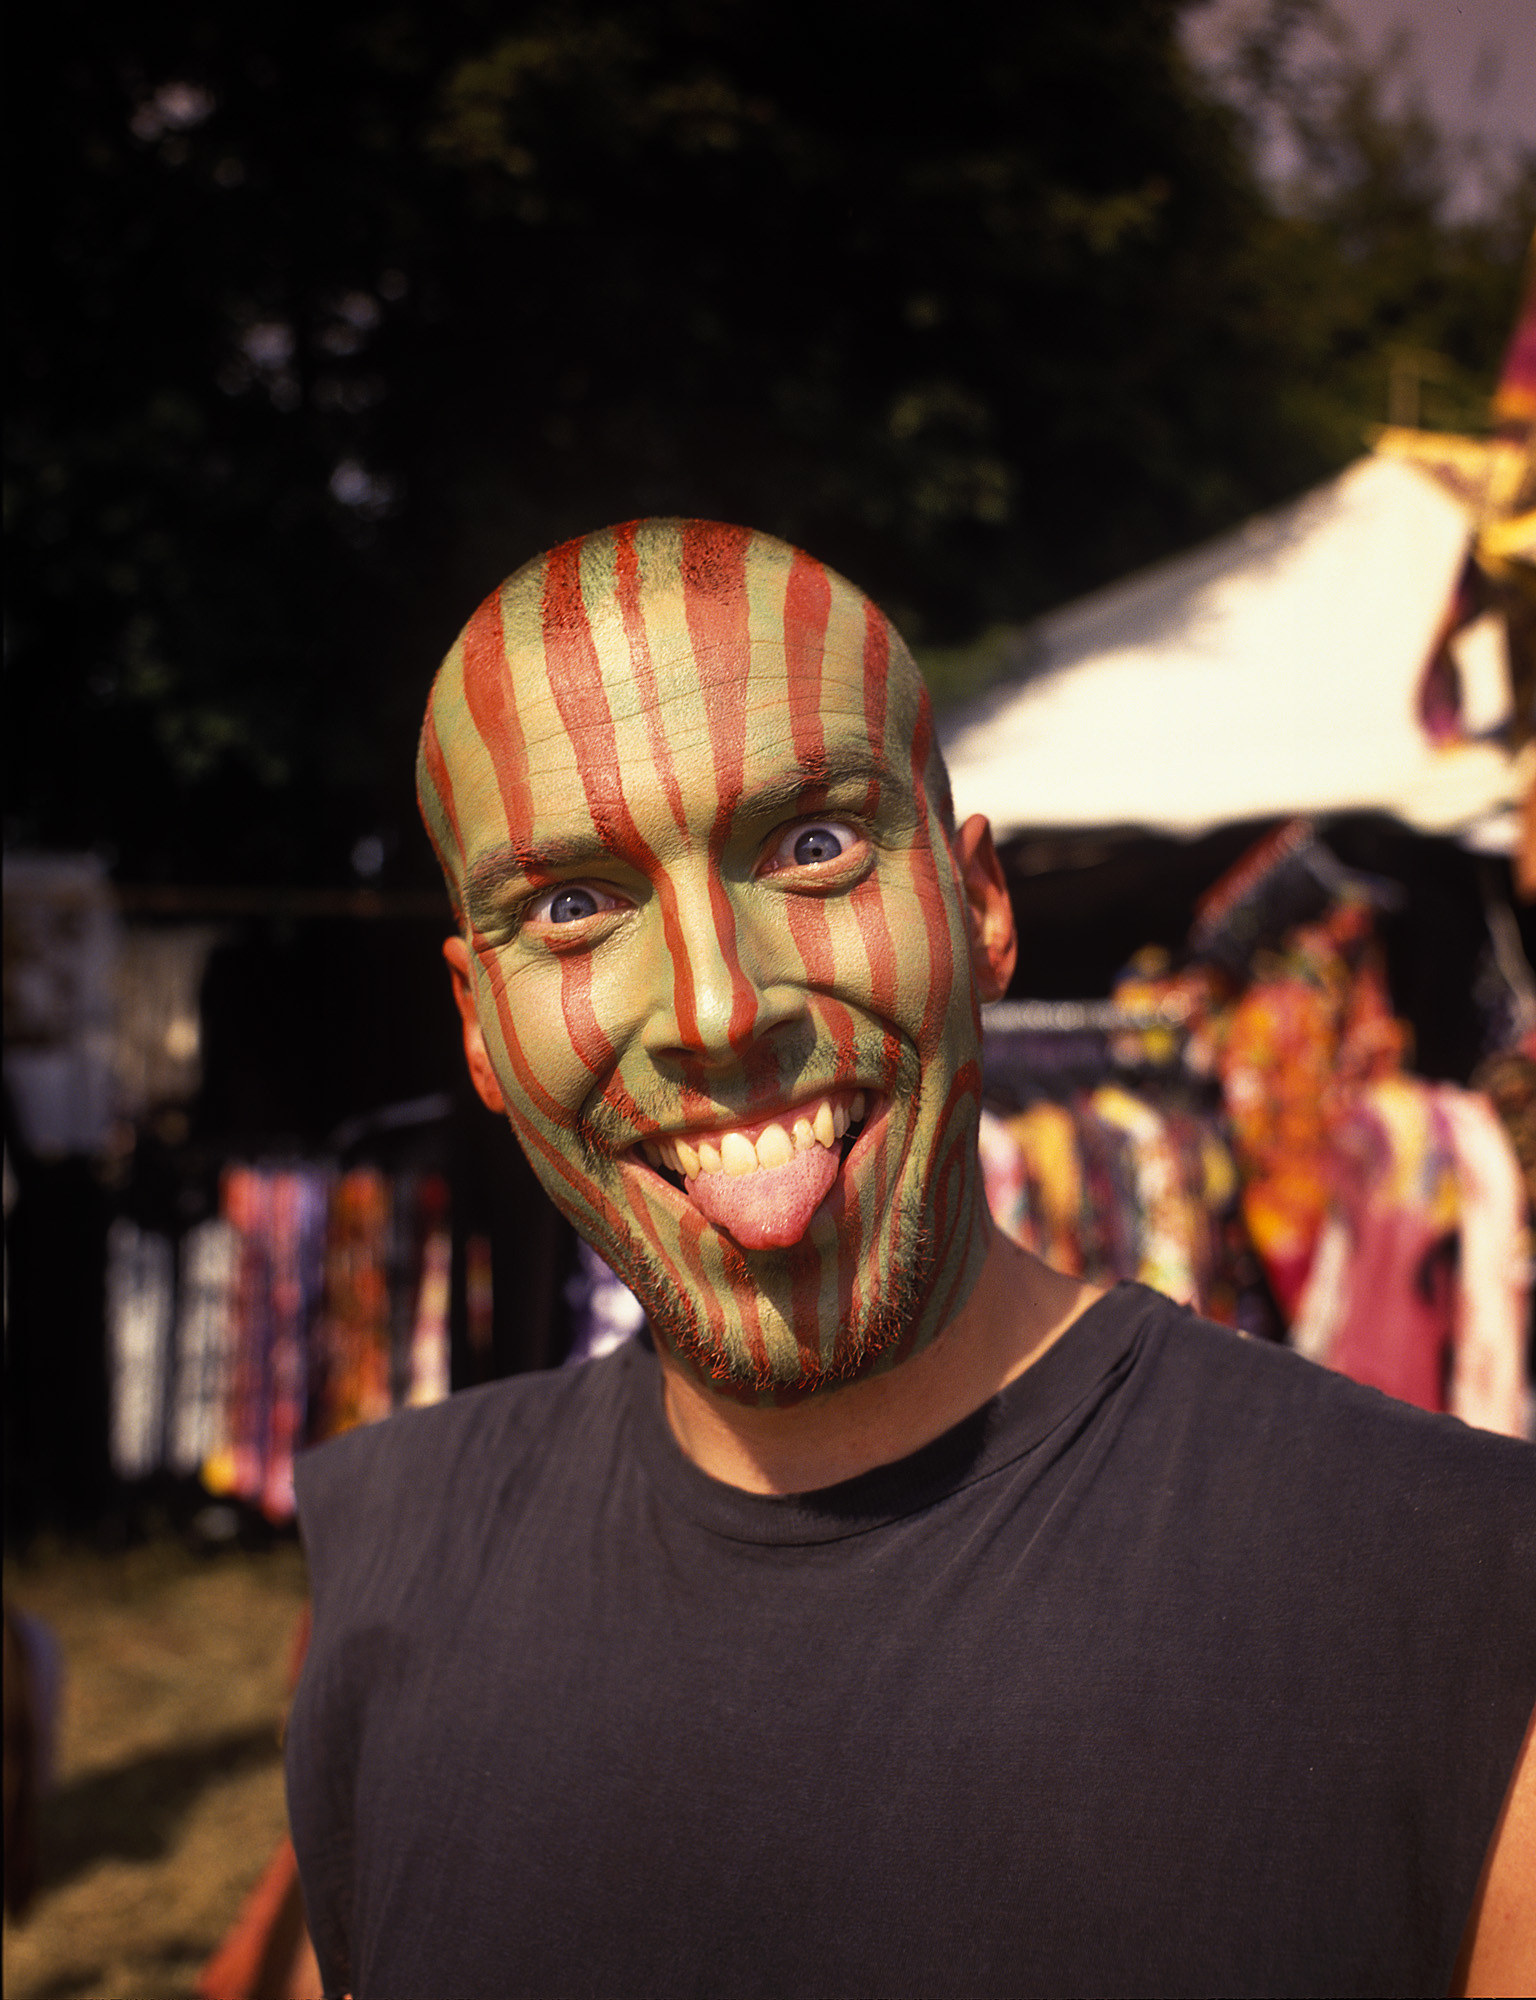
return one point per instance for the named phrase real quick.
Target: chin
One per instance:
(757, 1336)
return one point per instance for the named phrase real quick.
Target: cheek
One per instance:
(922, 930)
(537, 1062)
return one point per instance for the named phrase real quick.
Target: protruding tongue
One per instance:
(772, 1208)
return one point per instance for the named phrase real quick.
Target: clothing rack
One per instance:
(1065, 1017)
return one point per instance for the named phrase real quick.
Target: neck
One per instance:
(1017, 1309)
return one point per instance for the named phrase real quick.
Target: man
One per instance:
(903, 1618)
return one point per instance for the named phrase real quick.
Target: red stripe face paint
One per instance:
(682, 781)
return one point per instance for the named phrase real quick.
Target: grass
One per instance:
(168, 1800)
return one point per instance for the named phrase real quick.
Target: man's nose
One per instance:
(720, 982)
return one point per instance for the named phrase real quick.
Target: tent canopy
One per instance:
(1273, 671)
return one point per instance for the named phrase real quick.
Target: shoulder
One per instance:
(1267, 1389)
(1316, 1444)
(397, 1489)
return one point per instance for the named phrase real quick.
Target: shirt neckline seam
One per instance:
(668, 1489)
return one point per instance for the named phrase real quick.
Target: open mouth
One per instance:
(763, 1182)
(830, 1123)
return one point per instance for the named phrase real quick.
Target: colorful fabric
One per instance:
(1046, 1135)
(1509, 1081)
(298, 1223)
(428, 1369)
(1166, 1246)
(1420, 1285)
(279, 1215)
(140, 1305)
(309, 1304)
(1004, 1177)
(1113, 1186)
(1314, 1025)
(1394, 1172)
(205, 1331)
(356, 1336)
(1493, 1289)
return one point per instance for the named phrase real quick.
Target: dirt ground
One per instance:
(168, 1800)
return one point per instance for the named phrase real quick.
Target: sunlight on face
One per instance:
(682, 780)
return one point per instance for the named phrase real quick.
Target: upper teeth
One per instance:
(734, 1153)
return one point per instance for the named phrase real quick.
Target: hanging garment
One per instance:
(140, 1302)
(279, 1217)
(1166, 1222)
(1276, 1069)
(1312, 1029)
(205, 1331)
(356, 1333)
(1493, 1293)
(1004, 1179)
(1381, 1307)
(604, 1311)
(298, 1224)
(1108, 1228)
(1118, 1185)
(1314, 1328)
(1208, 1177)
(428, 1370)
(306, 1306)
(1508, 1078)
(236, 1469)
(1046, 1135)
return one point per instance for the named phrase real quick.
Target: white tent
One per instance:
(1273, 671)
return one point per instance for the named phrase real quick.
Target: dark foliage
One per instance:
(323, 320)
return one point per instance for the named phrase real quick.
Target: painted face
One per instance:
(716, 961)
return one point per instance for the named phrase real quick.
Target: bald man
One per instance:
(900, 1617)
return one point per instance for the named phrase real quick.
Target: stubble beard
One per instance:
(878, 1327)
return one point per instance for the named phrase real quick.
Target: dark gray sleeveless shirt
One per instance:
(1181, 1667)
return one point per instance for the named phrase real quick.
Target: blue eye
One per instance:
(569, 906)
(818, 843)
(813, 844)
(572, 904)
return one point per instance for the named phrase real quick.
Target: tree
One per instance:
(1399, 292)
(323, 326)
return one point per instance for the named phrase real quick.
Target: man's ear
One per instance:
(456, 951)
(994, 942)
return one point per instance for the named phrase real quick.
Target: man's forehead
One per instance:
(676, 658)
(760, 733)
(689, 701)
(673, 608)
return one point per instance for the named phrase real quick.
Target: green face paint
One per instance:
(683, 783)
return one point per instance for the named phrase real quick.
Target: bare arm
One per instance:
(1498, 1952)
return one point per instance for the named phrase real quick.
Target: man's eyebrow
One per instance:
(860, 770)
(517, 858)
